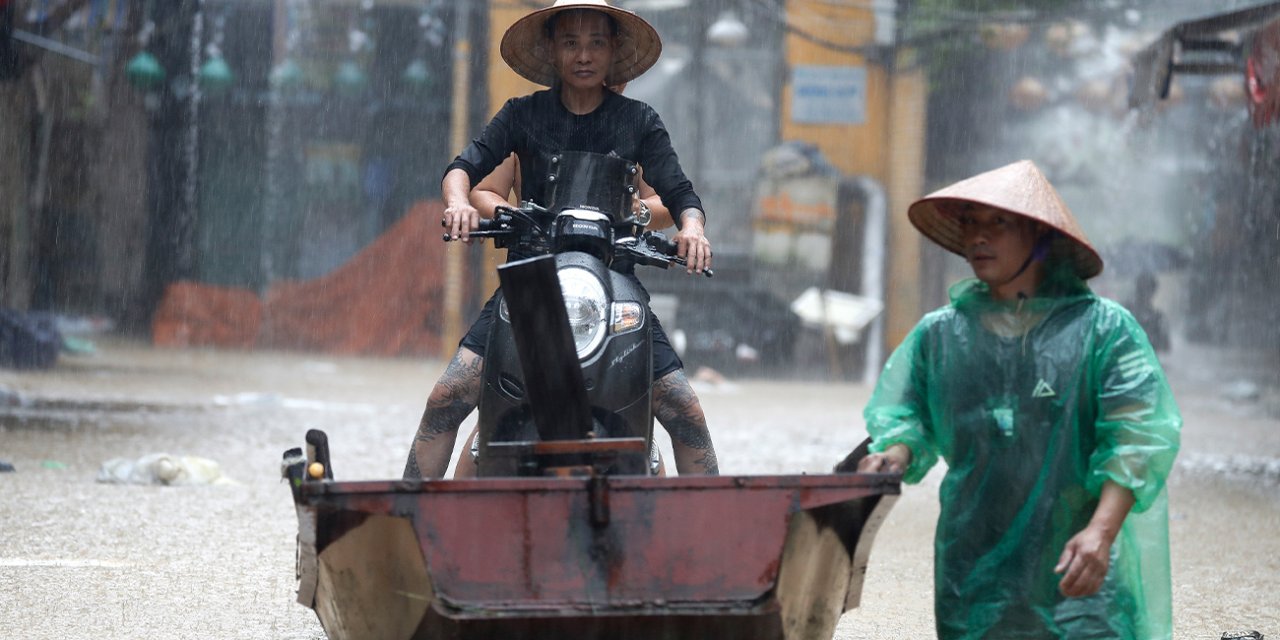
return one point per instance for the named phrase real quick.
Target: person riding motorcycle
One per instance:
(496, 190)
(578, 49)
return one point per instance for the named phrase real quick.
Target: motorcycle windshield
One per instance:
(592, 181)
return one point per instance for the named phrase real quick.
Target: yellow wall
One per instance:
(854, 149)
(504, 83)
(907, 102)
(888, 145)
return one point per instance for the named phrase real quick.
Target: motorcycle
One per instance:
(568, 365)
(589, 548)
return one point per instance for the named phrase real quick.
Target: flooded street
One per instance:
(202, 200)
(83, 559)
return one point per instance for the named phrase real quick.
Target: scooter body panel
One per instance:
(618, 374)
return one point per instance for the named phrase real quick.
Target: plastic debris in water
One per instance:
(162, 469)
(1241, 635)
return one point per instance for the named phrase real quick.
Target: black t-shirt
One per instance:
(538, 126)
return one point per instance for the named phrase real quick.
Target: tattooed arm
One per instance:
(677, 408)
(451, 401)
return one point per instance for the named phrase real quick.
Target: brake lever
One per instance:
(667, 249)
(492, 233)
(684, 263)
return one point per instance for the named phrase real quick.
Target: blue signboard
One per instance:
(829, 95)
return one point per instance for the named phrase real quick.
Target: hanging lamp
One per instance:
(416, 75)
(350, 79)
(215, 74)
(287, 74)
(144, 71)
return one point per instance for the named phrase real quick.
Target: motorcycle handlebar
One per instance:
(492, 228)
(488, 228)
(662, 245)
(496, 233)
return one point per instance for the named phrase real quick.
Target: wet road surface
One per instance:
(82, 559)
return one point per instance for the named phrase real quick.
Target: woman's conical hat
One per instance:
(527, 50)
(1018, 188)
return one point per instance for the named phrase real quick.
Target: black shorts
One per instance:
(665, 358)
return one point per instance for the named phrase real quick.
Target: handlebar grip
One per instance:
(668, 248)
(663, 246)
(490, 230)
(473, 235)
(684, 263)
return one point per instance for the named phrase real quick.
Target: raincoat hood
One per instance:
(1060, 285)
(526, 46)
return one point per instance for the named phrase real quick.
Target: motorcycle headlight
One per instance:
(587, 307)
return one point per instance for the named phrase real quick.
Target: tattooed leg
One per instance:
(466, 465)
(677, 408)
(451, 401)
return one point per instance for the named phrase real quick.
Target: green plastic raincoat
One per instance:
(1034, 405)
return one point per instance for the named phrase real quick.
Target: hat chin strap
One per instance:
(1038, 253)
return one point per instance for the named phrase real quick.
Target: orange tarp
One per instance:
(193, 314)
(384, 301)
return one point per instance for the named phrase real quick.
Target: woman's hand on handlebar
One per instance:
(692, 243)
(460, 219)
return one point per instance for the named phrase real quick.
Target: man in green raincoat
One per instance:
(1053, 416)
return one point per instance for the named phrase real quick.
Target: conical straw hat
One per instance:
(527, 50)
(1018, 188)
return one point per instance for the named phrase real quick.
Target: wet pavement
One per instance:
(82, 559)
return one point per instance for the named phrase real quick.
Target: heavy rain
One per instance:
(220, 227)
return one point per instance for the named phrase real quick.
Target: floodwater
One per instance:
(81, 559)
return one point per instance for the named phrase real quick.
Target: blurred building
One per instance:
(248, 143)
(1142, 115)
(739, 80)
(229, 142)
(1232, 59)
